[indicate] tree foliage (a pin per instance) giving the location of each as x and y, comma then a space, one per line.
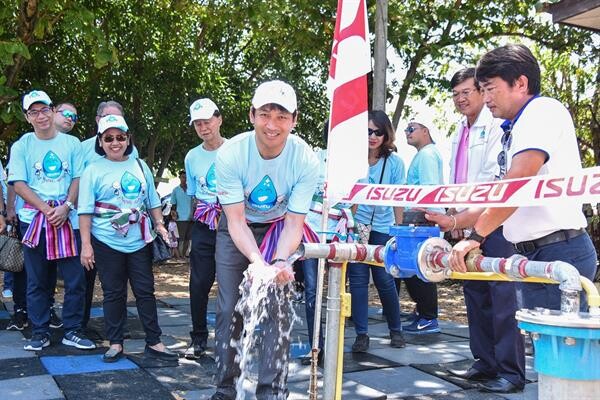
156, 57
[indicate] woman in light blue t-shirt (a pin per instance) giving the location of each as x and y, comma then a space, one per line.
116, 199
386, 167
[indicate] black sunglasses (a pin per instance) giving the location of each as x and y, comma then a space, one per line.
506, 141
377, 132
118, 138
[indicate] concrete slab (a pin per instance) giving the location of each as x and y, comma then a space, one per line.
431, 338
350, 391
112, 385
441, 371
69, 365
41, 387
11, 346
188, 376
413, 354
401, 382
461, 348
21, 367
530, 393
473, 394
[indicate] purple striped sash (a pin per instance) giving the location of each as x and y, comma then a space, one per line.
269, 242
122, 219
208, 213
60, 242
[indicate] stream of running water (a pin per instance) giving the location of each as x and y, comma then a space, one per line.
268, 317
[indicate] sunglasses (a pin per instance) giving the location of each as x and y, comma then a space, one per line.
70, 115
118, 138
410, 129
506, 142
376, 132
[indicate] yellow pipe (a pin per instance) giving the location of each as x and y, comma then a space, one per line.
344, 312
591, 291
491, 276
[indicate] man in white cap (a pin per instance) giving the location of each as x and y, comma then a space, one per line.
44, 168
265, 181
425, 169
201, 184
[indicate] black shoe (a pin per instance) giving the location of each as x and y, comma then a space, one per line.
361, 344
18, 322
55, 322
500, 385
166, 355
307, 360
196, 350
220, 396
397, 340
112, 355
471, 374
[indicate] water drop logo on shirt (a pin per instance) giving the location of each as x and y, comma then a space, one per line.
264, 195
211, 179
52, 165
130, 186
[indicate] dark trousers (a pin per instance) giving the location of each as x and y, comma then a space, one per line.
579, 252
358, 277
19, 289
273, 349
90, 281
495, 340
115, 268
202, 277
310, 272
422, 293
41, 282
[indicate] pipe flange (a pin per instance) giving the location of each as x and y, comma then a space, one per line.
544, 316
430, 271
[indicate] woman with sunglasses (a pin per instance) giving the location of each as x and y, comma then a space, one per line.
116, 198
386, 167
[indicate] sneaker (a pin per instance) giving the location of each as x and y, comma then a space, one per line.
7, 293
397, 340
18, 322
38, 342
196, 350
55, 321
77, 339
361, 344
422, 326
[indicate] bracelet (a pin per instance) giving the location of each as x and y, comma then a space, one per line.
454, 220
275, 261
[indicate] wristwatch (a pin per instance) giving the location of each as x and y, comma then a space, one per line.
70, 205
476, 236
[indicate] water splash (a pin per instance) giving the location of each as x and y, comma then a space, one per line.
264, 306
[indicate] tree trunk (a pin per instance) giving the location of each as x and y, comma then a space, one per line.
380, 67
406, 83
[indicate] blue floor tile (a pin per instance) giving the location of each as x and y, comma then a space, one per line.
68, 365
4, 314
298, 350
96, 312
211, 318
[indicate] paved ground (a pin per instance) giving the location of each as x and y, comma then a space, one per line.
59, 372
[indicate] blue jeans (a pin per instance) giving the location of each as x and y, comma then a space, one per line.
358, 276
41, 282
310, 267
579, 252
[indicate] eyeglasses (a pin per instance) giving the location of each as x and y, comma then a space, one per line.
36, 113
411, 129
69, 115
506, 141
463, 93
376, 132
118, 138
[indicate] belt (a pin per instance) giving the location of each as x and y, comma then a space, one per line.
554, 237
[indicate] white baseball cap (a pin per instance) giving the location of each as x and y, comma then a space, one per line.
202, 109
112, 121
275, 92
35, 96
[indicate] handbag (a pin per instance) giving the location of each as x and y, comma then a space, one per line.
364, 230
11, 252
160, 249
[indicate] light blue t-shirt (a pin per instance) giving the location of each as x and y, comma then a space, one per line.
122, 184
90, 155
383, 216
3, 183
48, 167
268, 188
426, 168
183, 201
201, 173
